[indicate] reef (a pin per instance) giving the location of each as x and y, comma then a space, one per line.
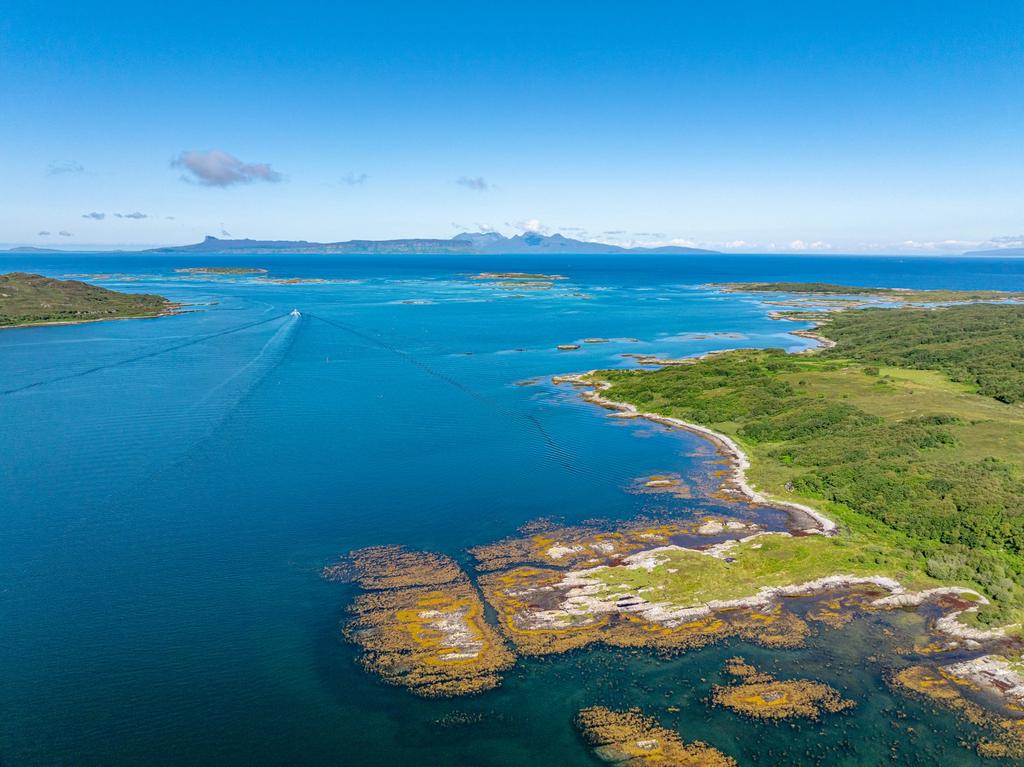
555, 590
585, 545
762, 696
952, 688
633, 739
421, 625
294, 280
540, 614
672, 484
519, 276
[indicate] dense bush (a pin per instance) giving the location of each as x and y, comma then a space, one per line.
964, 516
979, 344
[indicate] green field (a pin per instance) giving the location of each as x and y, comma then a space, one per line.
924, 472
691, 579
31, 299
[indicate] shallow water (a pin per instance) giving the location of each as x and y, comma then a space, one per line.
171, 487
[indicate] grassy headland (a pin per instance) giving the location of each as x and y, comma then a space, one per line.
31, 299
895, 295
909, 432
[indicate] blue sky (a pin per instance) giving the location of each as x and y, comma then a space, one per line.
749, 126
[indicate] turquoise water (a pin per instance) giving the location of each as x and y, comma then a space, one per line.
171, 487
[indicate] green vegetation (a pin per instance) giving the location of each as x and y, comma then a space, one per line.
690, 578
31, 299
222, 270
898, 295
820, 288
919, 464
980, 344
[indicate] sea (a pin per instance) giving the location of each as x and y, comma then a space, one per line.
170, 489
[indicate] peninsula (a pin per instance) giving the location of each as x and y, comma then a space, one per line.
898, 449
32, 299
467, 243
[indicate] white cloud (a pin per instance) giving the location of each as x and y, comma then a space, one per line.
135, 215
530, 225
476, 183
800, 245
62, 233
217, 168
95, 216
44, 234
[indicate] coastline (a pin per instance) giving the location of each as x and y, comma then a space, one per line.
170, 311
725, 444
988, 670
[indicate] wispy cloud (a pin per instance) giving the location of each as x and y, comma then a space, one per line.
95, 216
224, 232
530, 225
217, 168
44, 233
62, 233
136, 215
476, 183
64, 168
353, 179
1008, 241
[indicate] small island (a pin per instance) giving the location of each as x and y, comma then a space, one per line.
32, 299
632, 739
233, 270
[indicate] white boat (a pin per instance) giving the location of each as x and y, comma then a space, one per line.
296, 313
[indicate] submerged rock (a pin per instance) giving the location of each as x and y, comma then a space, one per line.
762, 696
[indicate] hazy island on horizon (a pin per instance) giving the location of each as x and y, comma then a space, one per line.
467, 243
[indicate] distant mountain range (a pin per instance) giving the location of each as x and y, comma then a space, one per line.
996, 252
29, 249
468, 243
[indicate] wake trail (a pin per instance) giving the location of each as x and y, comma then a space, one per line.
138, 357
223, 401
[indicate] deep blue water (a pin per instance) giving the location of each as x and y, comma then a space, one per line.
169, 489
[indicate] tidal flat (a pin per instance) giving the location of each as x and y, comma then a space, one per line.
204, 486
